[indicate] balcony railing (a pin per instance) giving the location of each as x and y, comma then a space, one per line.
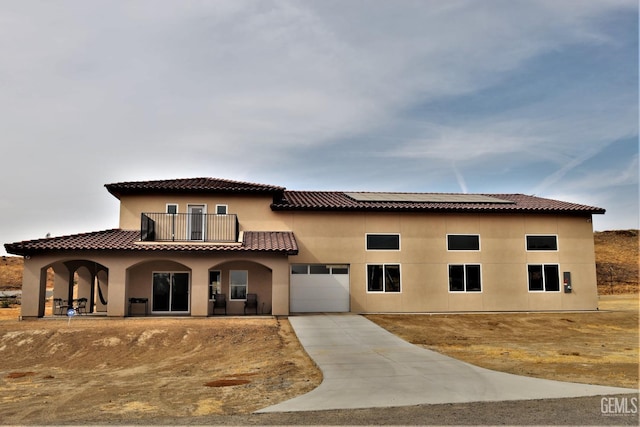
188, 227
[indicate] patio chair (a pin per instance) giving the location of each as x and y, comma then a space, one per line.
251, 303
81, 308
59, 306
220, 302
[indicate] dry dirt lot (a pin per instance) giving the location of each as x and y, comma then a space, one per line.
89, 370
586, 347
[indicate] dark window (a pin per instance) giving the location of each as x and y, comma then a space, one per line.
544, 277
215, 283
383, 278
463, 242
456, 278
388, 242
551, 278
318, 269
542, 243
299, 269
464, 278
172, 209
339, 270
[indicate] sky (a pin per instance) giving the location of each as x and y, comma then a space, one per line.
478, 96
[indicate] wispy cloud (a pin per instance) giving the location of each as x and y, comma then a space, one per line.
327, 93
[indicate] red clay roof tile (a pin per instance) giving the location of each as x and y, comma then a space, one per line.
339, 201
129, 240
189, 185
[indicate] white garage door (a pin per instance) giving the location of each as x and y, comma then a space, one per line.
319, 288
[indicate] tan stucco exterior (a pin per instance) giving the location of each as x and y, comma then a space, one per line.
337, 238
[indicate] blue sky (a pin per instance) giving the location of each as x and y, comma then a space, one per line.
491, 96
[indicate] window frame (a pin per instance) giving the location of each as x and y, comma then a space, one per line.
544, 277
464, 250
226, 209
464, 277
166, 209
232, 285
211, 284
366, 242
526, 243
384, 277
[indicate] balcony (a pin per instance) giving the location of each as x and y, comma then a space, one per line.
188, 227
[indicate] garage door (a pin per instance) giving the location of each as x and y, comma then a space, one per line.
319, 288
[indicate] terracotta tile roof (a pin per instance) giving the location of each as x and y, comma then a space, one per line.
340, 201
189, 185
129, 240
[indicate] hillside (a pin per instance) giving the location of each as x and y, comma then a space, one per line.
617, 259
617, 256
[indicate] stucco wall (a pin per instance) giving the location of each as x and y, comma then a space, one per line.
339, 238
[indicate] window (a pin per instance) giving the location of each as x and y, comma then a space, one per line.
215, 284
299, 269
383, 278
238, 284
544, 277
463, 242
172, 208
464, 278
383, 242
318, 269
542, 243
221, 209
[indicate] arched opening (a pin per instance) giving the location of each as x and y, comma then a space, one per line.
236, 280
160, 287
73, 284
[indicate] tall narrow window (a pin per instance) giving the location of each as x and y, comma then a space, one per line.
215, 283
465, 278
383, 278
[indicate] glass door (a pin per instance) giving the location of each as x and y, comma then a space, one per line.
196, 222
170, 292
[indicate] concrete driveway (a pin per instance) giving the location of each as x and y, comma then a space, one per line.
364, 366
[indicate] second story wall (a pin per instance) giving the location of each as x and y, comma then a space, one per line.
253, 211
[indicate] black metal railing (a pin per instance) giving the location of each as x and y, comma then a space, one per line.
188, 227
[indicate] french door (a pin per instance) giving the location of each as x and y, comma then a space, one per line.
196, 222
170, 292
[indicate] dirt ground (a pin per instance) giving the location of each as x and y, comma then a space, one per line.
587, 347
57, 371
89, 370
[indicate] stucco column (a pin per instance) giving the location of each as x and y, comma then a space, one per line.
117, 296
280, 287
199, 291
34, 281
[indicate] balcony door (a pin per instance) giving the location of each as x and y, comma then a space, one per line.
196, 222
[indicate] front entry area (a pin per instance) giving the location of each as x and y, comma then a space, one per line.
319, 288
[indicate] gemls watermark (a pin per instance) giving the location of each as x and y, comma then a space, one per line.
618, 406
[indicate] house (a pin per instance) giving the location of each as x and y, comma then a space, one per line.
183, 242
